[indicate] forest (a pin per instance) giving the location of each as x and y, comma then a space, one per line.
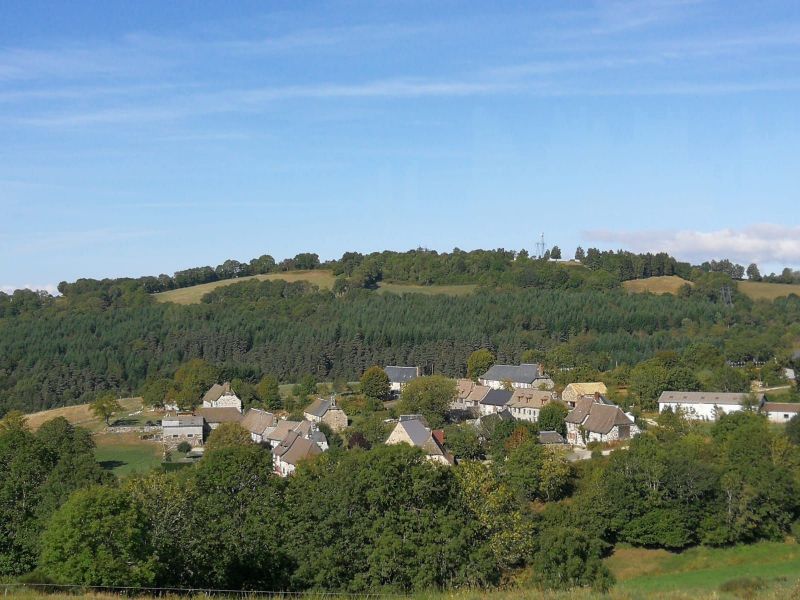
386, 519
114, 337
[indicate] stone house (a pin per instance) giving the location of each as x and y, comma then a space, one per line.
326, 411
221, 396
468, 395
214, 417
412, 430
525, 404
259, 423
595, 419
292, 449
182, 428
526, 376
574, 391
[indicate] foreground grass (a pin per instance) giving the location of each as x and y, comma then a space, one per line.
192, 295
645, 573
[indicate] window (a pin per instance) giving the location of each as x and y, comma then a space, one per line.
785, 416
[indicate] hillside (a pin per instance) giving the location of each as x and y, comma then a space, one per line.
759, 290
671, 284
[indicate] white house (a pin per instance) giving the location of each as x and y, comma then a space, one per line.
412, 430
259, 423
780, 412
221, 396
705, 406
290, 451
526, 375
400, 376
494, 401
525, 404
595, 419
182, 428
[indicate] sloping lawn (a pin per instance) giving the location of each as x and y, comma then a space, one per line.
125, 454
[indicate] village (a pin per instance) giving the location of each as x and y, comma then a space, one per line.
502, 393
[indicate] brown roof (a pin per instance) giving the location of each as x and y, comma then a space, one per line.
294, 448
587, 388
463, 388
283, 428
220, 414
582, 407
603, 418
257, 421
786, 407
478, 393
530, 398
216, 391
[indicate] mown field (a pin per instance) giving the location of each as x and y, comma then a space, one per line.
407, 288
757, 290
668, 284
192, 295
125, 453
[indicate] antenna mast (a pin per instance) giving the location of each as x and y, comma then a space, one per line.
540, 246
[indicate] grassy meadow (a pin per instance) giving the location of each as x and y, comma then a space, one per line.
125, 453
668, 284
759, 290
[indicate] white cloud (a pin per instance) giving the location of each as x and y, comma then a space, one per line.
765, 244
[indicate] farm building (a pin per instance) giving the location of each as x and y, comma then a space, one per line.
525, 404
574, 391
495, 401
182, 428
259, 423
780, 412
518, 376
221, 396
706, 406
326, 411
595, 419
412, 430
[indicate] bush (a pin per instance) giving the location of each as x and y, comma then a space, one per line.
743, 587
184, 447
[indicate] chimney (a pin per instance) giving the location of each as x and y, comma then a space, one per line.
597, 396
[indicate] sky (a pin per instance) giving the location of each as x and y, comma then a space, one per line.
140, 138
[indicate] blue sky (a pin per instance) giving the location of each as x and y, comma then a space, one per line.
140, 138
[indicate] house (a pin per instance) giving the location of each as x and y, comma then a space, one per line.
182, 428
468, 394
574, 391
259, 423
292, 449
551, 438
706, 406
400, 376
221, 396
214, 417
595, 419
326, 411
790, 375
526, 375
494, 401
284, 427
525, 404
412, 430
780, 412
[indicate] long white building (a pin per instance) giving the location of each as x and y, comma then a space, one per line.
705, 406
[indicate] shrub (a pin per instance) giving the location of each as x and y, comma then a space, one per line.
184, 447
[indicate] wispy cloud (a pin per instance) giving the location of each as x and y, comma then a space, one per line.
762, 243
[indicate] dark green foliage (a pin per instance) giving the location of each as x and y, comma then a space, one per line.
428, 396
479, 362
793, 430
375, 383
98, 538
551, 418
464, 443
569, 558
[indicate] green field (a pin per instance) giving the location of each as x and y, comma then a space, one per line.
644, 573
192, 295
125, 454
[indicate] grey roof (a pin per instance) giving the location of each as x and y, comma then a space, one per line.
183, 421
401, 374
524, 373
294, 448
318, 437
497, 398
715, 398
318, 407
416, 430
551, 437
